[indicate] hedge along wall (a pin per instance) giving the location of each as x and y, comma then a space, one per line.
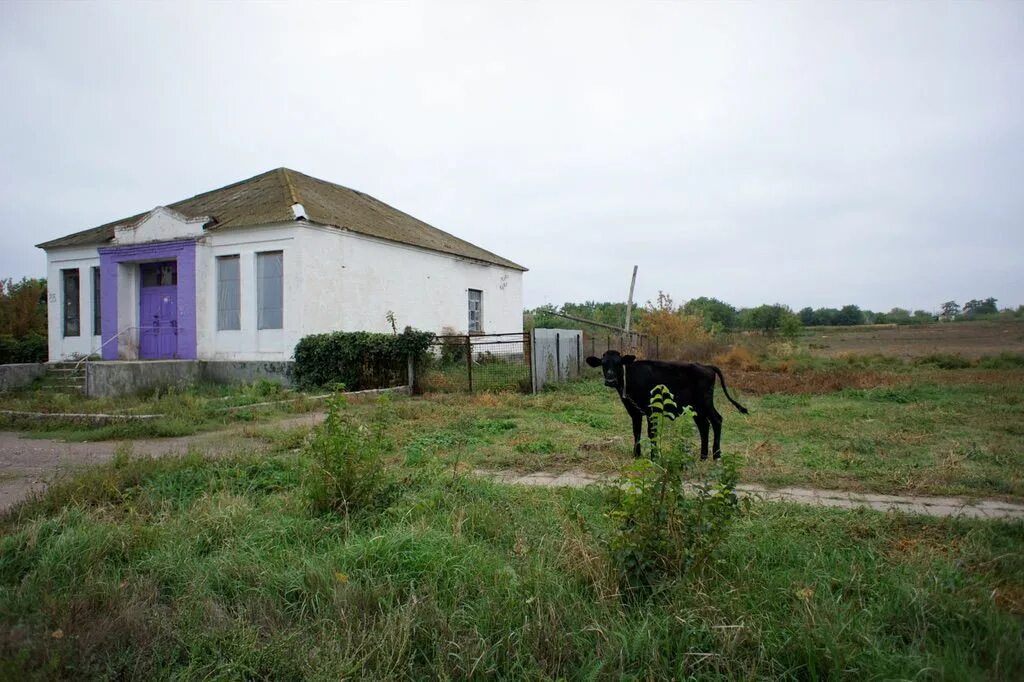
27, 349
359, 360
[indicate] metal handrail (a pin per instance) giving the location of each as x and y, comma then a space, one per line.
98, 348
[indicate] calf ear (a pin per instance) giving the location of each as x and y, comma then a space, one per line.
594, 362
628, 359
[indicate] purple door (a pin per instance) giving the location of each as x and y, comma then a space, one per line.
158, 311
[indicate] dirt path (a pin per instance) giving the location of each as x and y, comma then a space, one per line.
28, 465
909, 504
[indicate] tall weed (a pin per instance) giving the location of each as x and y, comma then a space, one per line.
348, 473
665, 527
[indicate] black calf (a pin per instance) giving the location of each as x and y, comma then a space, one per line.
691, 384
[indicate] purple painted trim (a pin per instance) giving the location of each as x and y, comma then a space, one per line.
182, 251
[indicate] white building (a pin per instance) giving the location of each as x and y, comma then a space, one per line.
245, 271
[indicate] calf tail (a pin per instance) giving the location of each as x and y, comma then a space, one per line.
721, 378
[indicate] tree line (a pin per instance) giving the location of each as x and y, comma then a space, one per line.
716, 315
22, 320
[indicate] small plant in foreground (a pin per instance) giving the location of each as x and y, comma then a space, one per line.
348, 472
668, 526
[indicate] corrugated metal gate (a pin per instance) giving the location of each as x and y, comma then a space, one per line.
557, 356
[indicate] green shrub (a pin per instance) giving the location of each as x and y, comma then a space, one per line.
1002, 361
357, 359
944, 361
32, 348
347, 471
664, 530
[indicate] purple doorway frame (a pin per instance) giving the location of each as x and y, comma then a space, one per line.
184, 252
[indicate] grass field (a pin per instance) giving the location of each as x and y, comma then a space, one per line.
969, 339
183, 412
905, 428
217, 569
221, 568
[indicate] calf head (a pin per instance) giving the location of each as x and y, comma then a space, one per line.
612, 365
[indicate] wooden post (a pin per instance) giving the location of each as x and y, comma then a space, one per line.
578, 354
469, 362
629, 302
411, 370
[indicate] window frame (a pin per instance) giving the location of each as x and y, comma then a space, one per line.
220, 310
65, 308
479, 311
261, 324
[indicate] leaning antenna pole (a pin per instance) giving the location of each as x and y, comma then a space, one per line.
629, 302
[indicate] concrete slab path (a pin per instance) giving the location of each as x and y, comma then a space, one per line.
909, 504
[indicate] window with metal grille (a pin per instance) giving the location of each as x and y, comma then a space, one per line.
72, 320
270, 290
476, 310
229, 294
97, 319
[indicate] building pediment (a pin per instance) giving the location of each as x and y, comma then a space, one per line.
162, 224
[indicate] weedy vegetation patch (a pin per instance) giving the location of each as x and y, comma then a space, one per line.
341, 560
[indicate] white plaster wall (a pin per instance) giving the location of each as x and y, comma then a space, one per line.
248, 343
352, 281
83, 258
333, 281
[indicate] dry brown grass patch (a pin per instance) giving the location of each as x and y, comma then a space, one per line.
812, 382
737, 357
1010, 598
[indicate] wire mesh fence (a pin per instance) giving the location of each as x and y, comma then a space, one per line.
640, 345
479, 362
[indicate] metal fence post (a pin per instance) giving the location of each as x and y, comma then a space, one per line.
469, 362
528, 356
577, 355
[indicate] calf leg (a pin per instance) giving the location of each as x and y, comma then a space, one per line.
637, 418
651, 435
702, 426
716, 424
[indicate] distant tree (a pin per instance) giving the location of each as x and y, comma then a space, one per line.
950, 310
22, 307
670, 325
806, 316
542, 317
770, 319
974, 308
606, 313
825, 317
922, 316
715, 314
898, 316
849, 315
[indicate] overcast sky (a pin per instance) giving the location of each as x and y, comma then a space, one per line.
810, 154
